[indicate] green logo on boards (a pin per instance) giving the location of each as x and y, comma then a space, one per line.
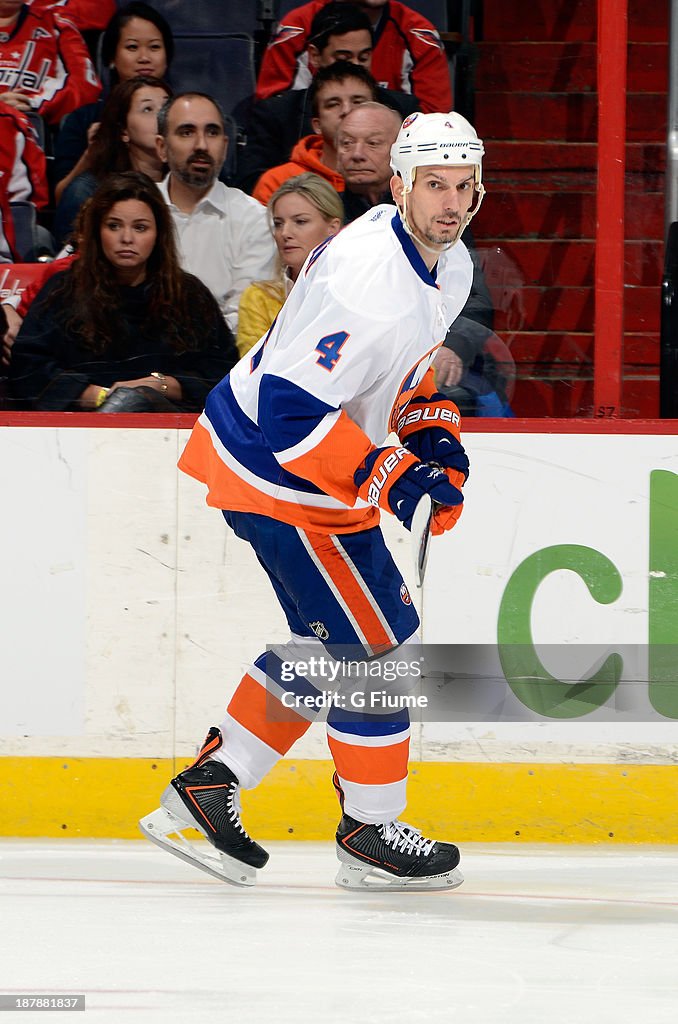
534, 686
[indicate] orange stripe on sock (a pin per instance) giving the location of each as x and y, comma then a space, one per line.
262, 714
370, 766
352, 592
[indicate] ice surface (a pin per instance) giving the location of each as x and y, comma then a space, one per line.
536, 935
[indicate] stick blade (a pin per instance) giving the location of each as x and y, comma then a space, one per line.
421, 535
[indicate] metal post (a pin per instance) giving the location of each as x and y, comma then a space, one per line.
668, 349
671, 207
609, 258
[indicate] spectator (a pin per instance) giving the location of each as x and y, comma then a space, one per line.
85, 14
125, 141
23, 174
16, 306
467, 366
339, 32
14, 311
224, 238
408, 54
486, 379
11, 322
304, 212
137, 42
4, 352
364, 143
45, 66
124, 328
336, 90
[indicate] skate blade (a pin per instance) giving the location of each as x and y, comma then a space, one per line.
161, 824
366, 878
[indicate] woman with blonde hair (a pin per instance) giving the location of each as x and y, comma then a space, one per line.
304, 211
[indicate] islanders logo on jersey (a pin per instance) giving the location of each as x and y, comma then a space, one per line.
405, 594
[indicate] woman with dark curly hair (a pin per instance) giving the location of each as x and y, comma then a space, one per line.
124, 328
125, 141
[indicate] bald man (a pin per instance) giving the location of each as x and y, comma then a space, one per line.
363, 147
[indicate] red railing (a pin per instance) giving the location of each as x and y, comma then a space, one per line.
472, 425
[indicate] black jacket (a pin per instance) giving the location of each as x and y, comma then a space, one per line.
50, 366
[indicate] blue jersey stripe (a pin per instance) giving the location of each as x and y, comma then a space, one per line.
245, 441
287, 413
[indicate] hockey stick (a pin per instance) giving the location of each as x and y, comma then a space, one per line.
421, 535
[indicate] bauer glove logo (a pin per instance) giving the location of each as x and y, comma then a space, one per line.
381, 477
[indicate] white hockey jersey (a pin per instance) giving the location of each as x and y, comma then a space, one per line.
283, 434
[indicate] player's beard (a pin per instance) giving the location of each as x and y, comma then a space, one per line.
430, 233
440, 238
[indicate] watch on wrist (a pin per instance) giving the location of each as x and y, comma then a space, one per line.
163, 381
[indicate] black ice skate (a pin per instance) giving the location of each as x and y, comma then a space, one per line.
392, 856
205, 797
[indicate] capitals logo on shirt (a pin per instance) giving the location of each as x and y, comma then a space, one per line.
21, 76
428, 36
285, 33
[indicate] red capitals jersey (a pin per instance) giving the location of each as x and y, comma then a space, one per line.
408, 56
85, 14
45, 57
23, 171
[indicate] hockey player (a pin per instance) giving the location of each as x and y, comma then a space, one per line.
291, 447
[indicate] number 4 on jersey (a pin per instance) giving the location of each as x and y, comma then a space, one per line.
330, 349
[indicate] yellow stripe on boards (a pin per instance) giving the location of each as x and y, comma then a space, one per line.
573, 803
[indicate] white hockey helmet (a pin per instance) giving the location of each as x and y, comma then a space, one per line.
436, 140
